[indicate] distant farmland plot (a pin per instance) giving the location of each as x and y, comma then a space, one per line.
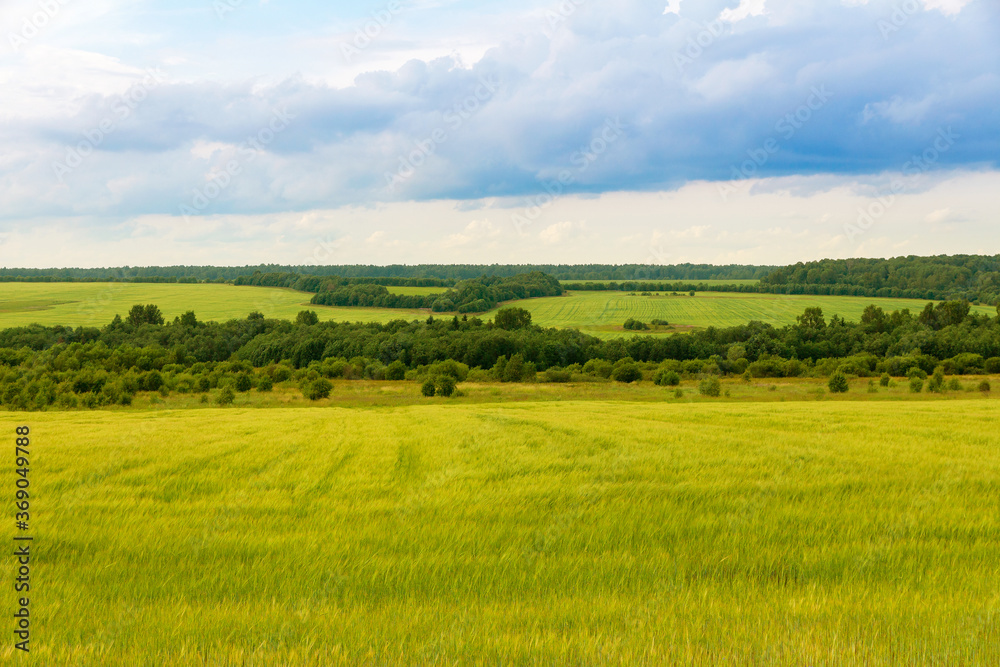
96, 304
518, 534
568, 284
598, 313
416, 291
602, 313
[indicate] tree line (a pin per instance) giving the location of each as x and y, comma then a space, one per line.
41, 366
974, 278
468, 296
443, 272
971, 277
316, 283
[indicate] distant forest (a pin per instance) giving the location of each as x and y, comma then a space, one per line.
971, 277
974, 278
443, 272
476, 295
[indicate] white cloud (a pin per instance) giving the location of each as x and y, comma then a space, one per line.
608, 60
899, 110
938, 216
746, 9
476, 232
694, 232
947, 7
794, 219
556, 233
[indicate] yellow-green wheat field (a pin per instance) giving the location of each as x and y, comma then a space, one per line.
569, 533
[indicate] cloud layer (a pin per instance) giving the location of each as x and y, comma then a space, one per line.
241, 116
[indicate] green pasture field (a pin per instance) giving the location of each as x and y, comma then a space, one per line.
96, 304
416, 291
569, 283
603, 313
598, 313
575, 532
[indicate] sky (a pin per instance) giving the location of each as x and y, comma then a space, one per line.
231, 132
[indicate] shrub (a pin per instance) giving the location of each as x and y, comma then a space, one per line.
838, 383
693, 366
992, 365
678, 393
917, 372
936, 384
598, 368
964, 364
632, 324
665, 378
395, 371
479, 375
428, 389
336, 368
307, 317
511, 319
456, 369
264, 384
226, 396
555, 375
627, 373
243, 383
954, 385
985, 387
872, 387
767, 368
514, 370
152, 381
916, 385
318, 389
444, 385
659, 323
886, 379
794, 368
710, 386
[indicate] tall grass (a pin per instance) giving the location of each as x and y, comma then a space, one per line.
540, 533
